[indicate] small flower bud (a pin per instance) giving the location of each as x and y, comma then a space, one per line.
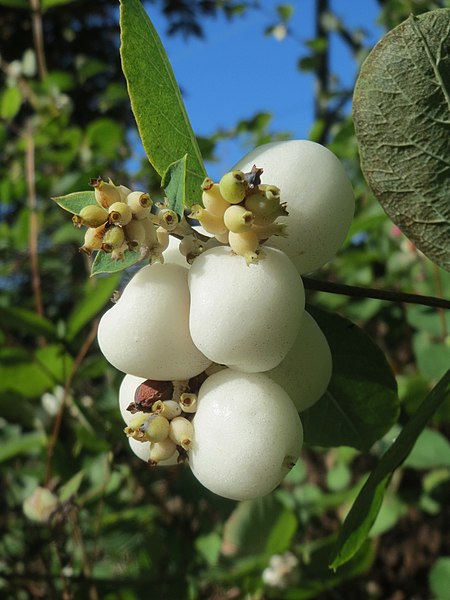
168, 219
167, 408
233, 187
237, 218
188, 402
91, 216
245, 244
148, 428
266, 231
181, 431
150, 232
106, 193
163, 238
114, 238
211, 198
191, 246
93, 239
134, 234
124, 192
119, 213
140, 204
211, 223
161, 451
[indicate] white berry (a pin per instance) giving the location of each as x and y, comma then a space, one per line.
245, 316
319, 198
247, 435
305, 372
146, 333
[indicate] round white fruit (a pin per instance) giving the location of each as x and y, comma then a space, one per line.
319, 198
305, 372
146, 333
247, 435
245, 316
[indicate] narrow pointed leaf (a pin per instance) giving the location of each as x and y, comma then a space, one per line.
103, 263
367, 505
174, 184
401, 109
76, 201
156, 101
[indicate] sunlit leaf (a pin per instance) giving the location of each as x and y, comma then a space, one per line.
401, 110
104, 263
156, 101
76, 201
174, 184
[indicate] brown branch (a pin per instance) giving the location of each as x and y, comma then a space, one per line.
58, 421
360, 292
38, 37
34, 225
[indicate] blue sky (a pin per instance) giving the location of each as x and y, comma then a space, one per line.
214, 72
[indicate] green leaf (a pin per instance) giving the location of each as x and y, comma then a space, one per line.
258, 526
439, 578
16, 3
71, 487
94, 299
156, 101
21, 374
103, 262
431, 450
365, 509
76, 201
55, 362
24, 443
10, 102
361, 403
13, 318
401, 110
174, 184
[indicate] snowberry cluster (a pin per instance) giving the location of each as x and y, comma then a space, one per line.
219, 354
124, 220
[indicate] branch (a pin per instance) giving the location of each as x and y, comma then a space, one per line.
360, 292
38, 37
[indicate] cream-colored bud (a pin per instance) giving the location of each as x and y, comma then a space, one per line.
237, 218
167, 408
211, 223
168, 219
212, 199
114, 238
181, 431
135, 234
119, 213
91, 216
148, 428
188, 402
106, 192
233, 187
124, 192
163, 238
245, 244
140, 204
266, 231
161, 451
93, 239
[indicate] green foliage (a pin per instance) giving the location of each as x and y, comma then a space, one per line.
361, 402
163, 124
401, 109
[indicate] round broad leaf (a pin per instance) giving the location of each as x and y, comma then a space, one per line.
401, 109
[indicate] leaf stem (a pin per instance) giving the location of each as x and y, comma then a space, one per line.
362, 292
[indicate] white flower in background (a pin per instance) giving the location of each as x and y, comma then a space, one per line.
282, 571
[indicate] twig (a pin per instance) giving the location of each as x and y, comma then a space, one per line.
58, 421
361, 292
38, 37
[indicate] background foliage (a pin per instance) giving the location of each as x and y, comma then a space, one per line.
121, 530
